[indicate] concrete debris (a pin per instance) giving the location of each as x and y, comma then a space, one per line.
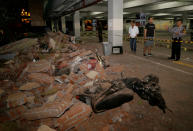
42, 78
29, 86
73, 117
45, 128
16, 99
54, 109
92, 74
39, 66
45, 86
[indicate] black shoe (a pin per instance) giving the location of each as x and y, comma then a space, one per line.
176, 59
144, 55
171, 58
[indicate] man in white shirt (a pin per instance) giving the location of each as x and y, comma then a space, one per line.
133, 32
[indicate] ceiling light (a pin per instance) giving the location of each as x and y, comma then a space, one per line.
169, 18
96, 13
125, 13
167, 5
135, 3
98, 17
161, 14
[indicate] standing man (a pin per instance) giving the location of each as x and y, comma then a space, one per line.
133, 32
100, 31
177, 32
149, 34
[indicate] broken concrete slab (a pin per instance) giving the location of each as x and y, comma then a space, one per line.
45, 128
29, 86
18, 45
52, 44
16, 113
63, 64
92, 74
16, 99
39, 66
89, 84
41, 78
48, 110
73, 117
51, 98
49, 92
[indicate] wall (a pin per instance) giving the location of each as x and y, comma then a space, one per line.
36, 10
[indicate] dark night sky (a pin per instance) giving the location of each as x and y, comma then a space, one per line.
13, 4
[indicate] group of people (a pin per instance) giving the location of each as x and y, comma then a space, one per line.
177, 31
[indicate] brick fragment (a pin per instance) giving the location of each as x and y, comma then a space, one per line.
16, 99
29, 86
15, 113
73, 117
92, 74
41, 78
39, 66
45, 128
48, 110
63, 64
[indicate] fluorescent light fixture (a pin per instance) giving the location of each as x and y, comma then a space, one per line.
161, 14
126, 13
135, 3
169, 18
177, 14
190, 18
167, 5
96, 13
99, 17
184, 8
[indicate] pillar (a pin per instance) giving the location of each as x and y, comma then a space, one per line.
185, 20
52, 25
63, 20
77, 24
56, 25
115, 22
83, 26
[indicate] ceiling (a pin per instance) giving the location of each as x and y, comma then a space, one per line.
160, 9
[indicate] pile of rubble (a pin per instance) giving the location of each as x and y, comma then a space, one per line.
51, 82
42, 83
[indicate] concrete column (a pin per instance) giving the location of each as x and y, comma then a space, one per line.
63, 20
185, 20
83, 26
115, 22
56, 25
52, 25
77, 24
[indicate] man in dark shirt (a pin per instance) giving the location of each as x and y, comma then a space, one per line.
149, 34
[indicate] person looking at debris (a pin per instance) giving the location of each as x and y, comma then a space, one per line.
177, 32
100, 31
149, 33
133, 32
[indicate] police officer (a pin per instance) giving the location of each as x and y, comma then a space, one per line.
178, 32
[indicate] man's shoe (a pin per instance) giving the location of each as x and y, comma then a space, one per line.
144, 55
150, 54
176, 59
171, 58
